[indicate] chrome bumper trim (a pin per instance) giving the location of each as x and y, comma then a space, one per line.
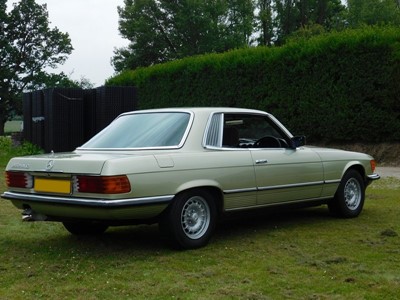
278, 187
279, 203
374, 177
246, 190
89, 202
287, 186
334, 181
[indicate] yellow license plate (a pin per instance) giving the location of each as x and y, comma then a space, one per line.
46, 185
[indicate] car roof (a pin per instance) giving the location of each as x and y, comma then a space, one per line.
200, 110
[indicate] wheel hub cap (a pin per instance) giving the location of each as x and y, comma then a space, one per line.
195, 217
352, 194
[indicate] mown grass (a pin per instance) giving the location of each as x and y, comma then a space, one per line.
302, 254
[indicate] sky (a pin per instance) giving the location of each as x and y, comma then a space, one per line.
92, 26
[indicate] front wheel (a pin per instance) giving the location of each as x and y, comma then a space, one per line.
190, 220
349, 198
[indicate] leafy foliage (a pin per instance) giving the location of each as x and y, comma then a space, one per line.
161, 31
164, 30
28, 47
372, 12
49, 80
329, 87
292, 15
7, 150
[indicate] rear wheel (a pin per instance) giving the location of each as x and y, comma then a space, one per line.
349, 198
85, 228
190, 220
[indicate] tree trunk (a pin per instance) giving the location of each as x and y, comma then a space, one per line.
2, 123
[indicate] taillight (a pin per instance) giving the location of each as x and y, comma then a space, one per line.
19, 180
373, 165
101, 184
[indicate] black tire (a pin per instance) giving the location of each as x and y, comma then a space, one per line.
350, 196
85, 228
190, 220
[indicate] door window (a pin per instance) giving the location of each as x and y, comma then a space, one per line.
251, 131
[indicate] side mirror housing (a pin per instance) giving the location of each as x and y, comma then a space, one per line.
297, 141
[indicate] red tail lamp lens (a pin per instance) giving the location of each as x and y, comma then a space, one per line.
102, 184
19, 180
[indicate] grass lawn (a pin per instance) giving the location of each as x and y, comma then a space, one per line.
304, 254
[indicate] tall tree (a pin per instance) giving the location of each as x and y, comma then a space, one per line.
239, 23
50, 80
163, 30
293, 15
286, 20
264, 22
373, 12
28, 47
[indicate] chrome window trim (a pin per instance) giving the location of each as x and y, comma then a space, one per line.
280, 125
283, 129
208, 128
130, 149
268, 149
178, 146
225, 148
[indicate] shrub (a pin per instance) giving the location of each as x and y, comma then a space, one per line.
337, 87
7, 150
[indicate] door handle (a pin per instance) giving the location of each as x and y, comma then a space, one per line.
261, 161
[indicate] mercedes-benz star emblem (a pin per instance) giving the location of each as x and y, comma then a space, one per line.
50, 165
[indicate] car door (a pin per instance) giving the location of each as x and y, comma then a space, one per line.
282, 174
231, 165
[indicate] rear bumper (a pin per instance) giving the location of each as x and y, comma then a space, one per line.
54, 208
119, 203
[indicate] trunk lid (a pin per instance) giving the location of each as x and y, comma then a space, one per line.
68, 163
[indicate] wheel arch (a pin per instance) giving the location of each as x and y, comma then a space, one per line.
349, 197
357, 166
213, 189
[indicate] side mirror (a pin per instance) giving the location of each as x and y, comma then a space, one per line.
297, 141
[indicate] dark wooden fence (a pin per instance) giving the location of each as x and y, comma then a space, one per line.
61, 119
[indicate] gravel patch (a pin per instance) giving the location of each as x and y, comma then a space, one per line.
388, 171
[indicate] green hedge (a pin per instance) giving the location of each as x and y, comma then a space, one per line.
336, 87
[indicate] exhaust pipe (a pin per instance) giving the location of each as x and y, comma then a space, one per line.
28, 215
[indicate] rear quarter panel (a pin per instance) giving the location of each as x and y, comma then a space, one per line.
225, 170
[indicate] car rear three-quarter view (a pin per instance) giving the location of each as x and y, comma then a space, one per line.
183, 169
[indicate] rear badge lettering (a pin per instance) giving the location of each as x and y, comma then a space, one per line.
20, 166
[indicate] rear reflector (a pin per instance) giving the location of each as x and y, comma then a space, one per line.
101, 184
19, 180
